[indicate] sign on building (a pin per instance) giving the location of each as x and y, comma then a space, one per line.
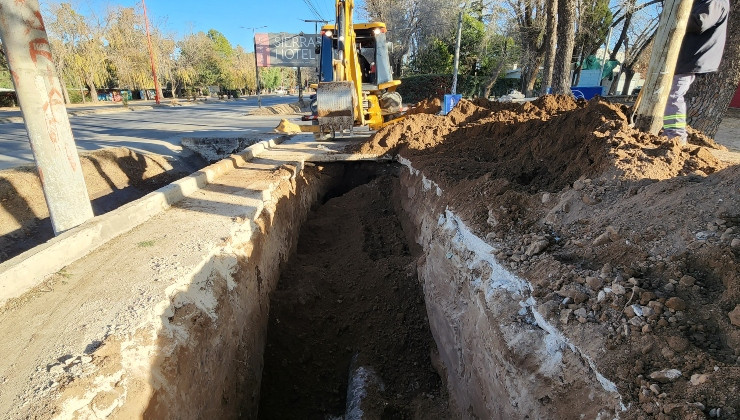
286, 50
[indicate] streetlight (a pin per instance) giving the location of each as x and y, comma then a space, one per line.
256, 67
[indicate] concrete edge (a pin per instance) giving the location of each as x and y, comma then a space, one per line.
27, 270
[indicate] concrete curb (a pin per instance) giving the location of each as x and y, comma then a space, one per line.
23, 272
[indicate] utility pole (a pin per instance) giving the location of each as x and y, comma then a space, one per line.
457, 53
40, 97
151, 55
256, 65
316, 32
671, 29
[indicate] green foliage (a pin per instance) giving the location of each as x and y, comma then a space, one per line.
434, 59
438, 55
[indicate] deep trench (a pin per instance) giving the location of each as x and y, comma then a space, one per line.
349, 297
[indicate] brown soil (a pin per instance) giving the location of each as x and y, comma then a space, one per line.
632, 243
114, 176
350, 290
427, 106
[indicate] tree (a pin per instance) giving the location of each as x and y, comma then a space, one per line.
128, 52
711, 94
79, 52
632, 22
529, 16
564, 54
594, 20
433, 59
412, 24
552, 21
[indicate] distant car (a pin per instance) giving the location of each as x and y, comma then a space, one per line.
280, 91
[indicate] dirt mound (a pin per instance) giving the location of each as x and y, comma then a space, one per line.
631, 241
427, 106
113, 176
283, 109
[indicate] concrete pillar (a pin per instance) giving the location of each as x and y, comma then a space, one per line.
40, 96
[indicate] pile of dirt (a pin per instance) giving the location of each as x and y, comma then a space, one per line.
350, 292
299, 107
114, 176
632, 242
427, 106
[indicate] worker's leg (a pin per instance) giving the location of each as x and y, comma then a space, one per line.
674, 119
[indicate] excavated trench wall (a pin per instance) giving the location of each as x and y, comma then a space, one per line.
502, 359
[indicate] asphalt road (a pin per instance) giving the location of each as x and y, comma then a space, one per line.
156, 131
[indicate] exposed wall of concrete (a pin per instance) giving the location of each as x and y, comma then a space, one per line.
502, 360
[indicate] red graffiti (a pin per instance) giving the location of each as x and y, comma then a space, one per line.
37, 24
55, 99
39, 47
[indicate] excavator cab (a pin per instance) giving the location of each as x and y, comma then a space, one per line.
356, 86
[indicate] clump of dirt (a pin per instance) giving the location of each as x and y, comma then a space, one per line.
298, 107
427, 106
632, 242
350, 291
114, 176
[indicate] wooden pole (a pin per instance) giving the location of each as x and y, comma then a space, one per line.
671, 29
40, 96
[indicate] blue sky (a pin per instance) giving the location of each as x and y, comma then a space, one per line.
183, 16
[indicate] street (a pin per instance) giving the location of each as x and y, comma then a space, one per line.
155, 131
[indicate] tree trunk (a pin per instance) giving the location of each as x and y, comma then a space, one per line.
93, 90
629, 73
710, 95
552, 20
160, 95
496, 73
564, 54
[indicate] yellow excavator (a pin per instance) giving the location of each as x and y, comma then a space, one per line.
356, 85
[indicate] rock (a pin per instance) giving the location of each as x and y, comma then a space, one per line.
578, 185
646, 297
589, 199
564, 315
735, 243
618, 289
675, 303
735, 316
678, 343
537, 247
670, 288
667, 353
687, 281
602, 239
594, 283
647, 311
698, 379
646, 329
629, 311
665, 375
655, 389
56, 369
580, 313
86, 359
546, 198
601, 296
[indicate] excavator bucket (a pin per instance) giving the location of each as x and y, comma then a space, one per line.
335, 103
